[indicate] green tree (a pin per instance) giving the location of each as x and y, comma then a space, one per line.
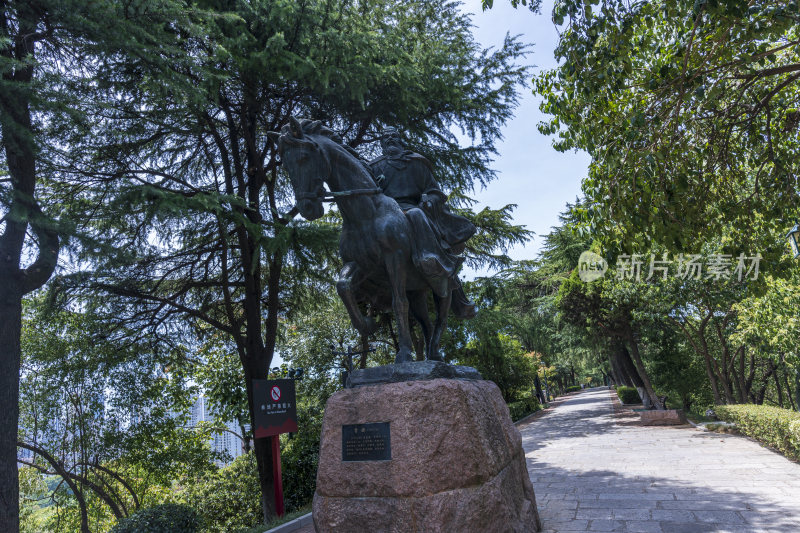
486, 342
50, 51
533, 5
769, 322
99, 412
606, 308
688, 110
205, 237
22, 29
520, 315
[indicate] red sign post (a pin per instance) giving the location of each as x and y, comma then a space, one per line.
276, 413
277, 475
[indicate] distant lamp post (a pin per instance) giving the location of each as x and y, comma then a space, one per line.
794, 239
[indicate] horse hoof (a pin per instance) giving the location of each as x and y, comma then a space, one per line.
370, 326
403, 356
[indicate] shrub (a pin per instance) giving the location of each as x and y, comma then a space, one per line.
533, 403
517, 410
524, 407
299, 458
776, 427
573, 388
165, 518
628, 395
229, 499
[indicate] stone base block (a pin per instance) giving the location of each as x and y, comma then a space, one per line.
412, 371
668, 417
456, 464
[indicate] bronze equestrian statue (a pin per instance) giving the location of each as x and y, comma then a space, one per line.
408, 178
398, 242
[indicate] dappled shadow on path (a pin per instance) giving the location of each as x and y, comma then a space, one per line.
586, 416
605, 500
590, 473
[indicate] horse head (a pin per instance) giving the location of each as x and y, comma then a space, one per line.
306, 163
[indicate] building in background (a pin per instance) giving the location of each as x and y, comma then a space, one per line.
227, 441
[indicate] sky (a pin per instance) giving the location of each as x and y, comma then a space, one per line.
531, 173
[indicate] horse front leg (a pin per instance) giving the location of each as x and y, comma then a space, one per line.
442, 308
418, 302
395, 267
350, 277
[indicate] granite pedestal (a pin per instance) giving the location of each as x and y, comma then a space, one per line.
455, 461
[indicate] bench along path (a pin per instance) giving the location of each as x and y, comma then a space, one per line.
593, 473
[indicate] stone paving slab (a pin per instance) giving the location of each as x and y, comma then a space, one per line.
594, 472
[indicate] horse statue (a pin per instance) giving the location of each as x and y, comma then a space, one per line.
377, 244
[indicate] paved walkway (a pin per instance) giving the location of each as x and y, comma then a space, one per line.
591, 473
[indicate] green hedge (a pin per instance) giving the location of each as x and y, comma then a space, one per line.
776, 427
165, 518
573, 388
628, 395
523, 408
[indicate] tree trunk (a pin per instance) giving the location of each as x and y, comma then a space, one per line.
23, 212
263, 358
686, 402
538, 386
648, 387
628, 368
740, 376
758, 397
777, 385
612, 377
712, 378
788, 388
727, 389
701, 346
257, 355
362, 362
797, 389
620, 376
10, 326
262, 449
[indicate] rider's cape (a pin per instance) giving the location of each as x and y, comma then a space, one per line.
406, 178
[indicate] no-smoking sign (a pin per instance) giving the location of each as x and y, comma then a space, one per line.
275, 407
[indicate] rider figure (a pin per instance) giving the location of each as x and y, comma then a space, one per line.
440, 236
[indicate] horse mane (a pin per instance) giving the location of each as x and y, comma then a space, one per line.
316, 127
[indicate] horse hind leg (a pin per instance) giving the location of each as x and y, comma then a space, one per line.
418, 303
397, 279
349, 277
442, 308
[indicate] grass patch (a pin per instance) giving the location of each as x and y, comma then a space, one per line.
697, 418
721, 428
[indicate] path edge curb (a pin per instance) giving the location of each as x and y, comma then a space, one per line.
292, 525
